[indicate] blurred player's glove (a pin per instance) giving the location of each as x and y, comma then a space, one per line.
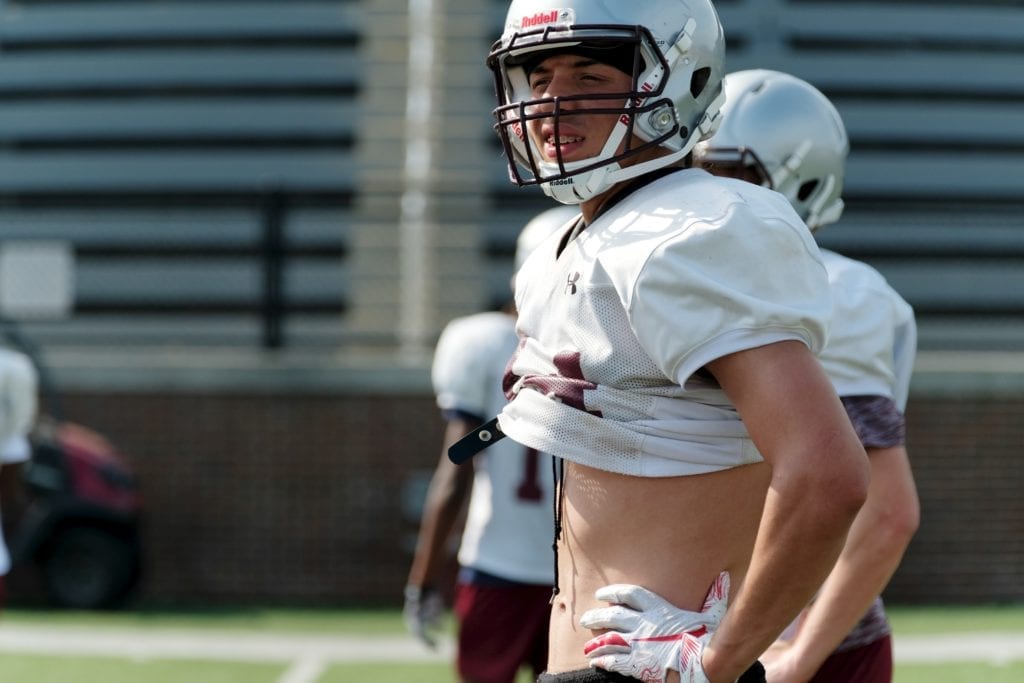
422, 613
647, 635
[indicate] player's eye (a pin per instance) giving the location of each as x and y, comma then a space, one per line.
537, 85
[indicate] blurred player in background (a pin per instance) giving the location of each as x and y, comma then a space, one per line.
18, 386
505, 557
781, 132
687, 538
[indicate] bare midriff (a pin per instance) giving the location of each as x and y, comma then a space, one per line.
671, 535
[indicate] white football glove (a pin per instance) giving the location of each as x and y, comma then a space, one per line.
647, 635
422, 613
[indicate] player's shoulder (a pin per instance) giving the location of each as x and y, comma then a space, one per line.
722, 207
848, 273
709, 231
842, 266
681, 189
476, 340
716, 195
15, 362
856, 285
468, 360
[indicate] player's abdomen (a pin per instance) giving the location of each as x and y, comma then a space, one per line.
671, 535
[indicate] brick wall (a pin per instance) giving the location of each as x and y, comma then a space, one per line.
298, 499
968, 460
270, 498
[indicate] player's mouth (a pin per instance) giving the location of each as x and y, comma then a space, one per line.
566, 145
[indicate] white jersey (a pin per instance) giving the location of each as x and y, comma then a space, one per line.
18, 388
872, 338
18, 385
508, 528
14, 450
614, 331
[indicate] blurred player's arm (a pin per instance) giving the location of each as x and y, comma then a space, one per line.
819, 483
874, 547
446, 497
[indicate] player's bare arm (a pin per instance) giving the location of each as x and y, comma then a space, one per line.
874, 548
819, 481
781, 132
446, 496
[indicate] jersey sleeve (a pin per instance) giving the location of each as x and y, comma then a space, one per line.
872, 337
904, 354
738, 283
878, 421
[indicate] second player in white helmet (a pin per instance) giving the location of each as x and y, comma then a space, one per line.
781, 132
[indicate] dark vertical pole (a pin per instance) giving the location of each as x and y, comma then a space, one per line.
273, 265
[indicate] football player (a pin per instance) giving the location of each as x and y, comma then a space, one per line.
18, 396
687, 538
504, 582
781, 132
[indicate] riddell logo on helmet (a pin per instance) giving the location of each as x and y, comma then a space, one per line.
539, 19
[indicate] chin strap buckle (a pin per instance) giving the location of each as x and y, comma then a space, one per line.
474, 442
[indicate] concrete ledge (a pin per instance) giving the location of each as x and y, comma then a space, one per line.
224, 370
221, 370
968, 373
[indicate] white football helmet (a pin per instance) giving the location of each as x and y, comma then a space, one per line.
790, 133
678, 55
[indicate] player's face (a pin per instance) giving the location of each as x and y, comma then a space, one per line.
579, 136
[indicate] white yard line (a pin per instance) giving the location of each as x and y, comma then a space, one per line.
308, 656
212, 644
304, 670
992, 648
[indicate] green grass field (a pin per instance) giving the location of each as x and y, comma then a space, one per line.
53, 668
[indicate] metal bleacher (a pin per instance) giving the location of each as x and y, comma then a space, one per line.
208, 159
196, 155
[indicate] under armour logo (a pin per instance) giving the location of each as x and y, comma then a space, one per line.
570, 284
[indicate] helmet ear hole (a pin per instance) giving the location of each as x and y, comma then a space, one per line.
699, 81
806, 189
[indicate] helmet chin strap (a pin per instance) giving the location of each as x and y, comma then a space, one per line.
819, 216
791, 163
579, 188
709, 122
